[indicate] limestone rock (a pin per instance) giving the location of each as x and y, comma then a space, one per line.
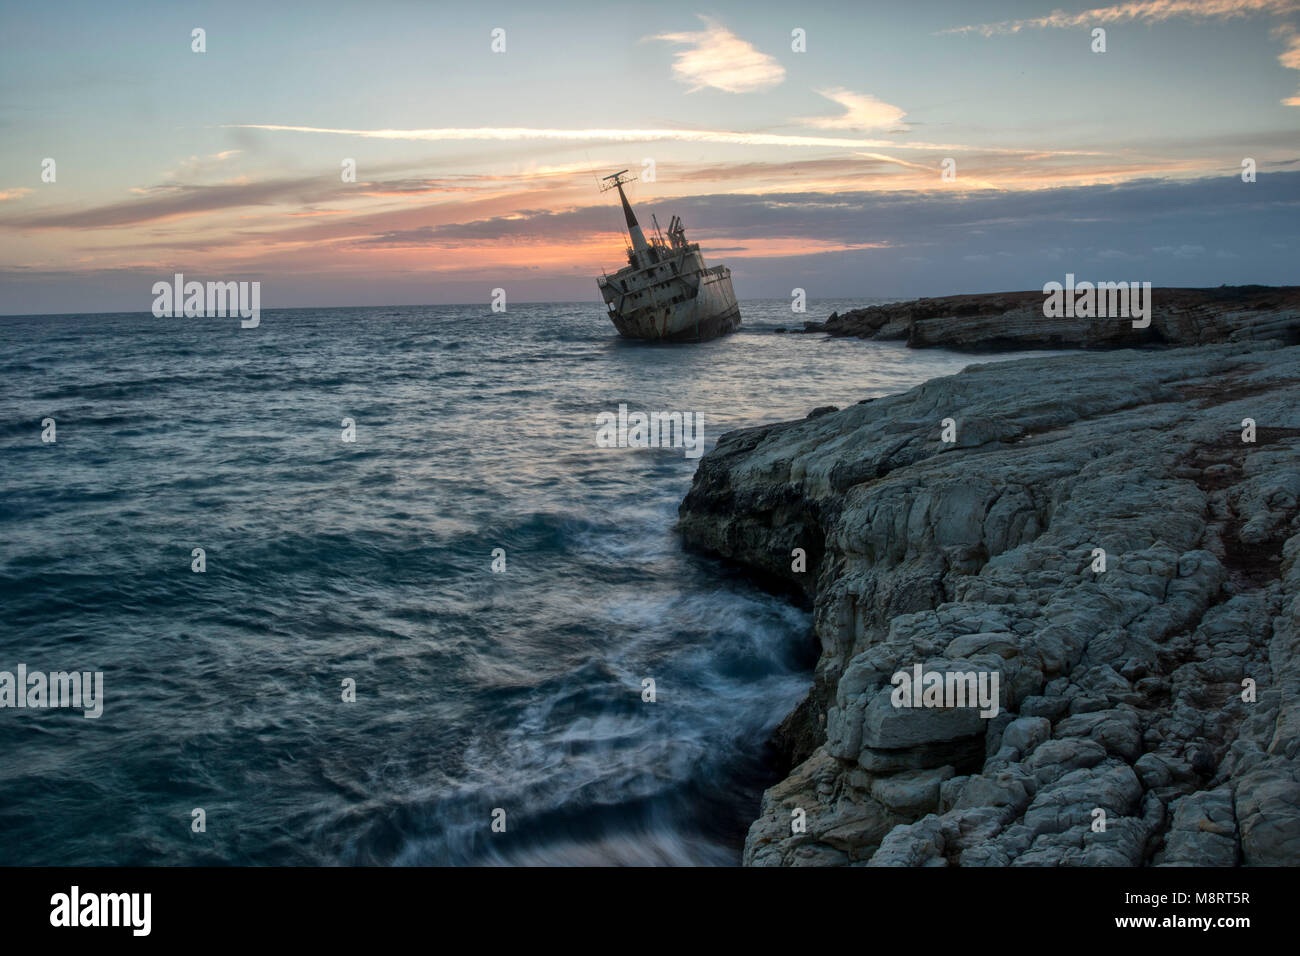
1011, 320
1164, 690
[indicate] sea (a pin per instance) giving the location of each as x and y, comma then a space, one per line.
365, 590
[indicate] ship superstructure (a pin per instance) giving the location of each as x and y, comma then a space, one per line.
666, 292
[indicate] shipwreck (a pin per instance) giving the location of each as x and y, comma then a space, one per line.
666, 292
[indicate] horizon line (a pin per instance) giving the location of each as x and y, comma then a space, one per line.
597, 302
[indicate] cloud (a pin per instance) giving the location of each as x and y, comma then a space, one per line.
1089, 214
18, 193
367, 208
1290, 57
1147, 11
861, 111
529, 225
861, 243
720, 60
416, 187
1157, 11
196, 167
729, 137
169, 202
849, 215
1174, 219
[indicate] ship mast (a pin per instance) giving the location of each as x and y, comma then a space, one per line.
640, 247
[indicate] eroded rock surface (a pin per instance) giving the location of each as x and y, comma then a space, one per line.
1121, 691
1015, 320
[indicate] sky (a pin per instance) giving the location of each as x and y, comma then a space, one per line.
477, 168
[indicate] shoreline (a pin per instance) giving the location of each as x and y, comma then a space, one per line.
1006, 321
1121, 689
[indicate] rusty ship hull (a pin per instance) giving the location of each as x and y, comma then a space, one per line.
667, 293
680, 311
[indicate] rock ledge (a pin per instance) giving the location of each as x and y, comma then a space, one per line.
1123, 691
1005, 321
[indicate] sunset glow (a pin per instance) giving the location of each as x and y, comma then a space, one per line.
490, 167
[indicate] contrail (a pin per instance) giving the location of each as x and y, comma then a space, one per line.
643, 135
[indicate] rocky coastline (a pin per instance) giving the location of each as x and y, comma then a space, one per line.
1006, 321
1149, 702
